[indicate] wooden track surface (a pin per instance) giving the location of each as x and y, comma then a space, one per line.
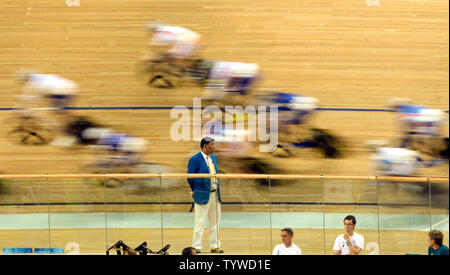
345, 53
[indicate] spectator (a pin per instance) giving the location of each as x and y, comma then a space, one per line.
189, 251
435, 238
287, 247
349, 243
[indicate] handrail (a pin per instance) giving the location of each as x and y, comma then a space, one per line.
233, 176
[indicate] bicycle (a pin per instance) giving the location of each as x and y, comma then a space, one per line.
29, 130
329, 145
155, 72
163, 73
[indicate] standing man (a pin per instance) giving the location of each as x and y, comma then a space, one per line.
206, 193
349, 243
436, 247
287, 247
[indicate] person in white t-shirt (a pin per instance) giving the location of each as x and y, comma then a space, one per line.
349, 243
287, 247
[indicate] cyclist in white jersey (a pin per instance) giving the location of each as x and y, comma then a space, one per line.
176, 44
60, 91
419, 125
45, 92
124, 150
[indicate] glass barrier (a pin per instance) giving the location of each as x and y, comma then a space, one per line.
177, 217
87, 215
404, 213
439, 197
342, 200
77, 217
134, 211
298, 204
245, 216
24, 211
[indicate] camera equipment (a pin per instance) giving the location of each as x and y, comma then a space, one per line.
123, 249
120, 245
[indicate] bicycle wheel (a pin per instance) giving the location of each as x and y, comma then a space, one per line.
29, 131
28, 137
329, 145
160, 74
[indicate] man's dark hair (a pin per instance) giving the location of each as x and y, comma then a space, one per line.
437, 236
288, 230
187, 251
351, 218
205, 140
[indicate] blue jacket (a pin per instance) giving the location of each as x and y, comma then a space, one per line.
201, 186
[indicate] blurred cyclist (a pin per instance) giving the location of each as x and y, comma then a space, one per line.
420, 126
174, 44
227, 82
59, 91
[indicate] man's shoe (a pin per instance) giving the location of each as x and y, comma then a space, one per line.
216, 250
198, 251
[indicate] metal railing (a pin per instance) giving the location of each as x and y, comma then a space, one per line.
234, 176
380, 221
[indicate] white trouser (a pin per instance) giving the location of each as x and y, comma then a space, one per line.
211, 210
